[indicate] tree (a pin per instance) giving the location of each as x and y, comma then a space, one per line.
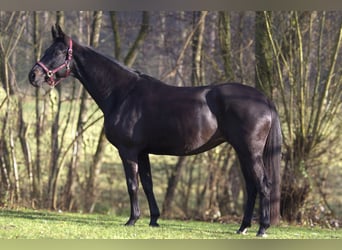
11, 30
225, 43
36, 168
263, 54
307, 89
55, 147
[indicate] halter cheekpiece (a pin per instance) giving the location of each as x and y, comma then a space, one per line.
50, 73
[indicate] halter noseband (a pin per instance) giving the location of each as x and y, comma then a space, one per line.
50, 73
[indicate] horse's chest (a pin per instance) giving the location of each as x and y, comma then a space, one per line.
122, 129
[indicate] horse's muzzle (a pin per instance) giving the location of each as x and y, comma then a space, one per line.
36, 76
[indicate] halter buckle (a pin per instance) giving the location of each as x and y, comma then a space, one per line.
67, 65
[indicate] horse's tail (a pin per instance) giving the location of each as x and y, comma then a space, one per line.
272, 157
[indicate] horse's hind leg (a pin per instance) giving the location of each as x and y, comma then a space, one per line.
264, 196
251, 191
146, 181
256, 183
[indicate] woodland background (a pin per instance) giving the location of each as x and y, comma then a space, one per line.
53, 153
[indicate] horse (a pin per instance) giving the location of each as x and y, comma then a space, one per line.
143, 115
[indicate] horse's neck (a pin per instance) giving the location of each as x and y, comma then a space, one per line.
105, 80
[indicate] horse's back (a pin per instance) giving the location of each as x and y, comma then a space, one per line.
239, 94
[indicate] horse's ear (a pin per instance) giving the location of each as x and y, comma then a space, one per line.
60, 31
57, 32
53, 32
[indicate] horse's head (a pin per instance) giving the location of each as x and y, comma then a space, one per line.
56, 61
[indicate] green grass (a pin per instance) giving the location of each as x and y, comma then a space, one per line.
31, 224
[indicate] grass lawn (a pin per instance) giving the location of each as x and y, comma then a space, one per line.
31, 224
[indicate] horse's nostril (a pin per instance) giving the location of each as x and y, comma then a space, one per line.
32, 76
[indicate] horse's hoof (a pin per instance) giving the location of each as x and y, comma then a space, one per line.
262, 235
243, 232
155, 224
130, 223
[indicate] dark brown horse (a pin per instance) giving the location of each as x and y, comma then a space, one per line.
143, 115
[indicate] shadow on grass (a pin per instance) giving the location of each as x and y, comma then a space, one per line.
204, 228
167, 227
100, 220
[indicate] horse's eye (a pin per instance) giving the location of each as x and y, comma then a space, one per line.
57, 53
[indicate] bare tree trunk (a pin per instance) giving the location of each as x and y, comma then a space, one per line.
69, 201
187, 43
15, 167
171, 187
55, 145
133, 51
10, 35
117, 40
69, 193
5, 184
39, 118
263, 55
225, 43
92, 187
23, 130
197, 74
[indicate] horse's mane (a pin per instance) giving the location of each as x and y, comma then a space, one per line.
114, 61
123, 67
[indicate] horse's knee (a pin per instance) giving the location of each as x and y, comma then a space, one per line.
132, 187
263, 184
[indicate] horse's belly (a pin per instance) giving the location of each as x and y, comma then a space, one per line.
183, 149
191, 137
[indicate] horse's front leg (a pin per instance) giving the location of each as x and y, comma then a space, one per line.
130, 163
146, 181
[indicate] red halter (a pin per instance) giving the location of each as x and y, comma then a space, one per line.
50, 73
